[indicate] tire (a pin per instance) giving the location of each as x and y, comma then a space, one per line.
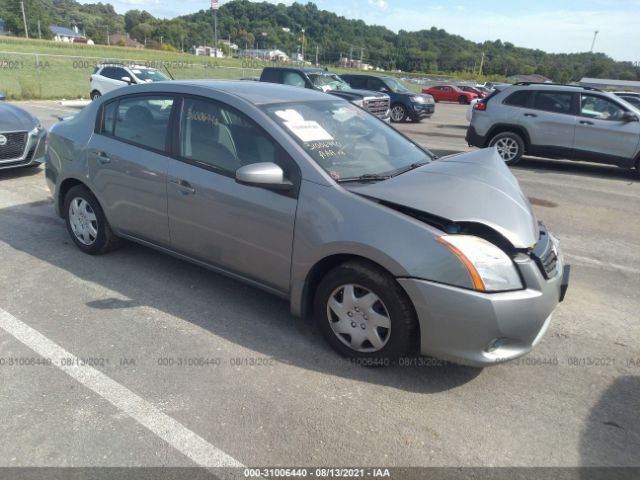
95, 95
462, 100
388, 318
90, 230
398, 113
510, 146
638, 169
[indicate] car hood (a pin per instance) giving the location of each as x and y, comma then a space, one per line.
14, 118
357, 93
474, 187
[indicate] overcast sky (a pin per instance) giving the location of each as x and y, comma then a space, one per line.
559, 26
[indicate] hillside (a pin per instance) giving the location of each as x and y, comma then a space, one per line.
279, 26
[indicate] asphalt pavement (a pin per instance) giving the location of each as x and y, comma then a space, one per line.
136, 358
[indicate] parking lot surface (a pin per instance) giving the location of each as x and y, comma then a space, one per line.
192, 368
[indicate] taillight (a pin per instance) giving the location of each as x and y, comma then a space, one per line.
480, 106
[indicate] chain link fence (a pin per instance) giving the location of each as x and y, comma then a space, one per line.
25, 76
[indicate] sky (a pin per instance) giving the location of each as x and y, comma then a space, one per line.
556, 26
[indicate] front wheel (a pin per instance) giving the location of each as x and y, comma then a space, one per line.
86, 222
398, 113
364, 313
95, 95
510, 147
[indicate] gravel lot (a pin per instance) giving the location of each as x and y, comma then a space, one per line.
272, 393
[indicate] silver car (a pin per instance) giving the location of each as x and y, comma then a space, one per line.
317, 201
22, 138
558, 121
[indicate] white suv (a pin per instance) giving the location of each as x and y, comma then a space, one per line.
109, 76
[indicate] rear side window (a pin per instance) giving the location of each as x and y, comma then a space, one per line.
293, 78
108, 119
143, 120
558, 102
374, 84
270, 75
518, 99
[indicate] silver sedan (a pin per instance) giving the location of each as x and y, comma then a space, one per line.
22, 138
391, 250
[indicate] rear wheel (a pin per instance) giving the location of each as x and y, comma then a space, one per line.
510, 146
398, 113
364, 313
462, 100
95, 95
86, 222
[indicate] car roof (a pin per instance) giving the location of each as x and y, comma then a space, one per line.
257, 93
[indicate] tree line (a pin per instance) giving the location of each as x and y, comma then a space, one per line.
332, 37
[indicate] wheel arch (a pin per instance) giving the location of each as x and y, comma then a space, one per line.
502, 128
66, 185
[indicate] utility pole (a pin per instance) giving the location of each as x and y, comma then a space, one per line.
593, 44
481, 64
361, 56
108, 37
214, 6
350, 56
303, 46
317, 50
24, 20
39, 32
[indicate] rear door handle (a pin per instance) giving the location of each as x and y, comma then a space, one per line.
530, 115
586, 122
184, 187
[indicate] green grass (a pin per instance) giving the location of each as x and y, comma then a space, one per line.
42, 69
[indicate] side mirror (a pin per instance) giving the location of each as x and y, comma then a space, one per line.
126, 79
629, 117
264, 174
2, 96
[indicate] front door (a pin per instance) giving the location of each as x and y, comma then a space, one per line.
242, 229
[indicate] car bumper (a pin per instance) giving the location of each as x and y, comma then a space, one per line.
32, 154
474, 139
483, 329
421, 110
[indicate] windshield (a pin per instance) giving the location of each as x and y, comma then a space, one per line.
328, 81
149, 75
395, 86
346, 141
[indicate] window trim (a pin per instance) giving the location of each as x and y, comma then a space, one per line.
99, 129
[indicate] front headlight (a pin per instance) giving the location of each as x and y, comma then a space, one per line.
417, 99
491, 269
358, 103
36, 130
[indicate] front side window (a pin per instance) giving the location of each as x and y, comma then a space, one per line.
144, 120
594, 106
328, 81
219, 137
293, 78
395, 86
347, 142
558, 102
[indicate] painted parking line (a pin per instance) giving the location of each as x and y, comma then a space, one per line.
170, 430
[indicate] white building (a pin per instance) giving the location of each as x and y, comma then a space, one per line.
208, 52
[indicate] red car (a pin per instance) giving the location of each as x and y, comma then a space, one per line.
475, 90
450, 93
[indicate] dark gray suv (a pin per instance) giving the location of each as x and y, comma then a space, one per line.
557, 121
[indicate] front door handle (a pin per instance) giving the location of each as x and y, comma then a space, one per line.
184, 187
103, 158
586, 122
533, 115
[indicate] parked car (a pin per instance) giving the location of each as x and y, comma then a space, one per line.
557, 121
374, 102
405, 104
631, 97
2, 96
304, 195
109, 76
450, 93
470, 89
22, 138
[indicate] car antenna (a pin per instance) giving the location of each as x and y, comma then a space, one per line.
169, 72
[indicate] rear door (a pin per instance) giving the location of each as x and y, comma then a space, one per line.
128, 164
550, 121
242, 229
601, 132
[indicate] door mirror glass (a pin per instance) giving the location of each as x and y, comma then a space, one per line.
126, 79
629, 117
264, 174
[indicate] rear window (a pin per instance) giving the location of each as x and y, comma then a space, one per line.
519, 99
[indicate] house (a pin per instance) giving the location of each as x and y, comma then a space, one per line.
207, 52
531, 78
273, 55
124, 40
68, 35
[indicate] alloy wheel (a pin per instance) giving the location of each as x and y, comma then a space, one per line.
83, 221
507, 148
